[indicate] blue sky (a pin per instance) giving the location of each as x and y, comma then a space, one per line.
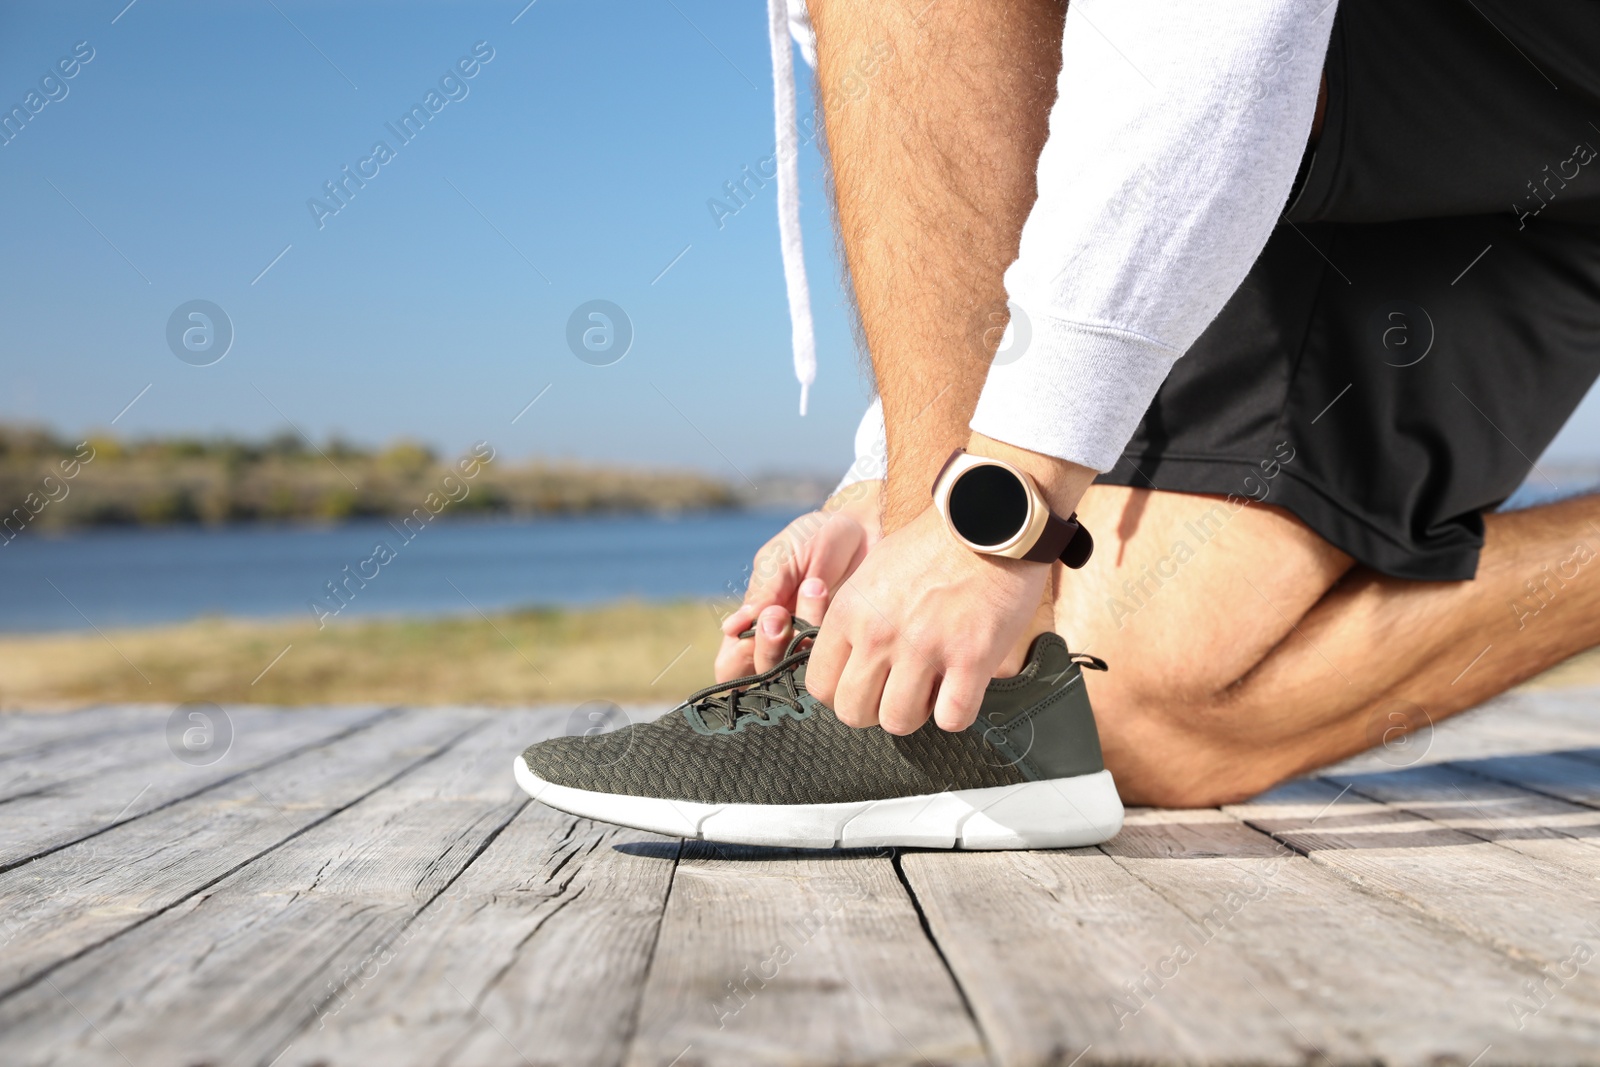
577, 166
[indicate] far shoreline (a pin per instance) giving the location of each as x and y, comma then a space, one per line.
103, 481
471, 518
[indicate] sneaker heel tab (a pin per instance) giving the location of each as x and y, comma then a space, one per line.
1049, 652
1043, 641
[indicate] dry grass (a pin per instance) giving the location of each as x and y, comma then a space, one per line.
630, 652
624, 652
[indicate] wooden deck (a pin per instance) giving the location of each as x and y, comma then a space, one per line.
366, 886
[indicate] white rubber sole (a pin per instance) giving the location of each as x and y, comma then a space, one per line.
1055, 813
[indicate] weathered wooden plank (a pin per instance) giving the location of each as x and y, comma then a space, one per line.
1576, 704
1471, 798
84, 894
770, 957
1061, 955
72, 770
235, 973
25, 733
1362, 979
1492, 891
71, 793
1573, 777
338, 946
56, 765
536, 954
1518, 722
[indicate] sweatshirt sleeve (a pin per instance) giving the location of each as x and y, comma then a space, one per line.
872, 450
1173, 144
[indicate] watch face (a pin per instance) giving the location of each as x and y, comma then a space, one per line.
988, 506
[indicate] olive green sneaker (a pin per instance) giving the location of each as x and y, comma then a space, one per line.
759, 761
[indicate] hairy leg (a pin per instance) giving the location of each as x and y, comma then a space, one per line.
933, 157
1256, 651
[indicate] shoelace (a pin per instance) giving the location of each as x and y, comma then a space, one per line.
757, 694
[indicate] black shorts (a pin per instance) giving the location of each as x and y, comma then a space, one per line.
1428, 315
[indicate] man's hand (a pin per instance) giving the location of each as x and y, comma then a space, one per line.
798, 573
925, 623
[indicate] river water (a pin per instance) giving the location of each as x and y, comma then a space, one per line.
119, 577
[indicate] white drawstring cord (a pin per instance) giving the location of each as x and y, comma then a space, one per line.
788, 152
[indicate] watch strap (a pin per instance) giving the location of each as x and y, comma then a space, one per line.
1063, 539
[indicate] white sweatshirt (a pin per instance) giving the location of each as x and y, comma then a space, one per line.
1174, 141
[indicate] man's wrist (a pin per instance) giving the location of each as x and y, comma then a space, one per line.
1061, 482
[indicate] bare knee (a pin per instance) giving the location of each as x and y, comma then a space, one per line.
1186, 751
1188, 599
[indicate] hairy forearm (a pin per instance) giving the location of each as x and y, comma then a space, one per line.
933, 160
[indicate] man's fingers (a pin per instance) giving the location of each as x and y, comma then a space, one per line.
739, 620
776, 571
735, 659
812, 602
860, 689
960, 696
810, 547
907, 696
772, 637
834, 553
828, 655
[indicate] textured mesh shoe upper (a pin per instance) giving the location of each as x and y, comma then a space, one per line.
788, 748
814, 760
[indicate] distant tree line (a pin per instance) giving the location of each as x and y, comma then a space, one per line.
154, 481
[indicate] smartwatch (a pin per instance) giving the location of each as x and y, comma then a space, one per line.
996, 509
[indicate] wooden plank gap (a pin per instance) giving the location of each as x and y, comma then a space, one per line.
938, 950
